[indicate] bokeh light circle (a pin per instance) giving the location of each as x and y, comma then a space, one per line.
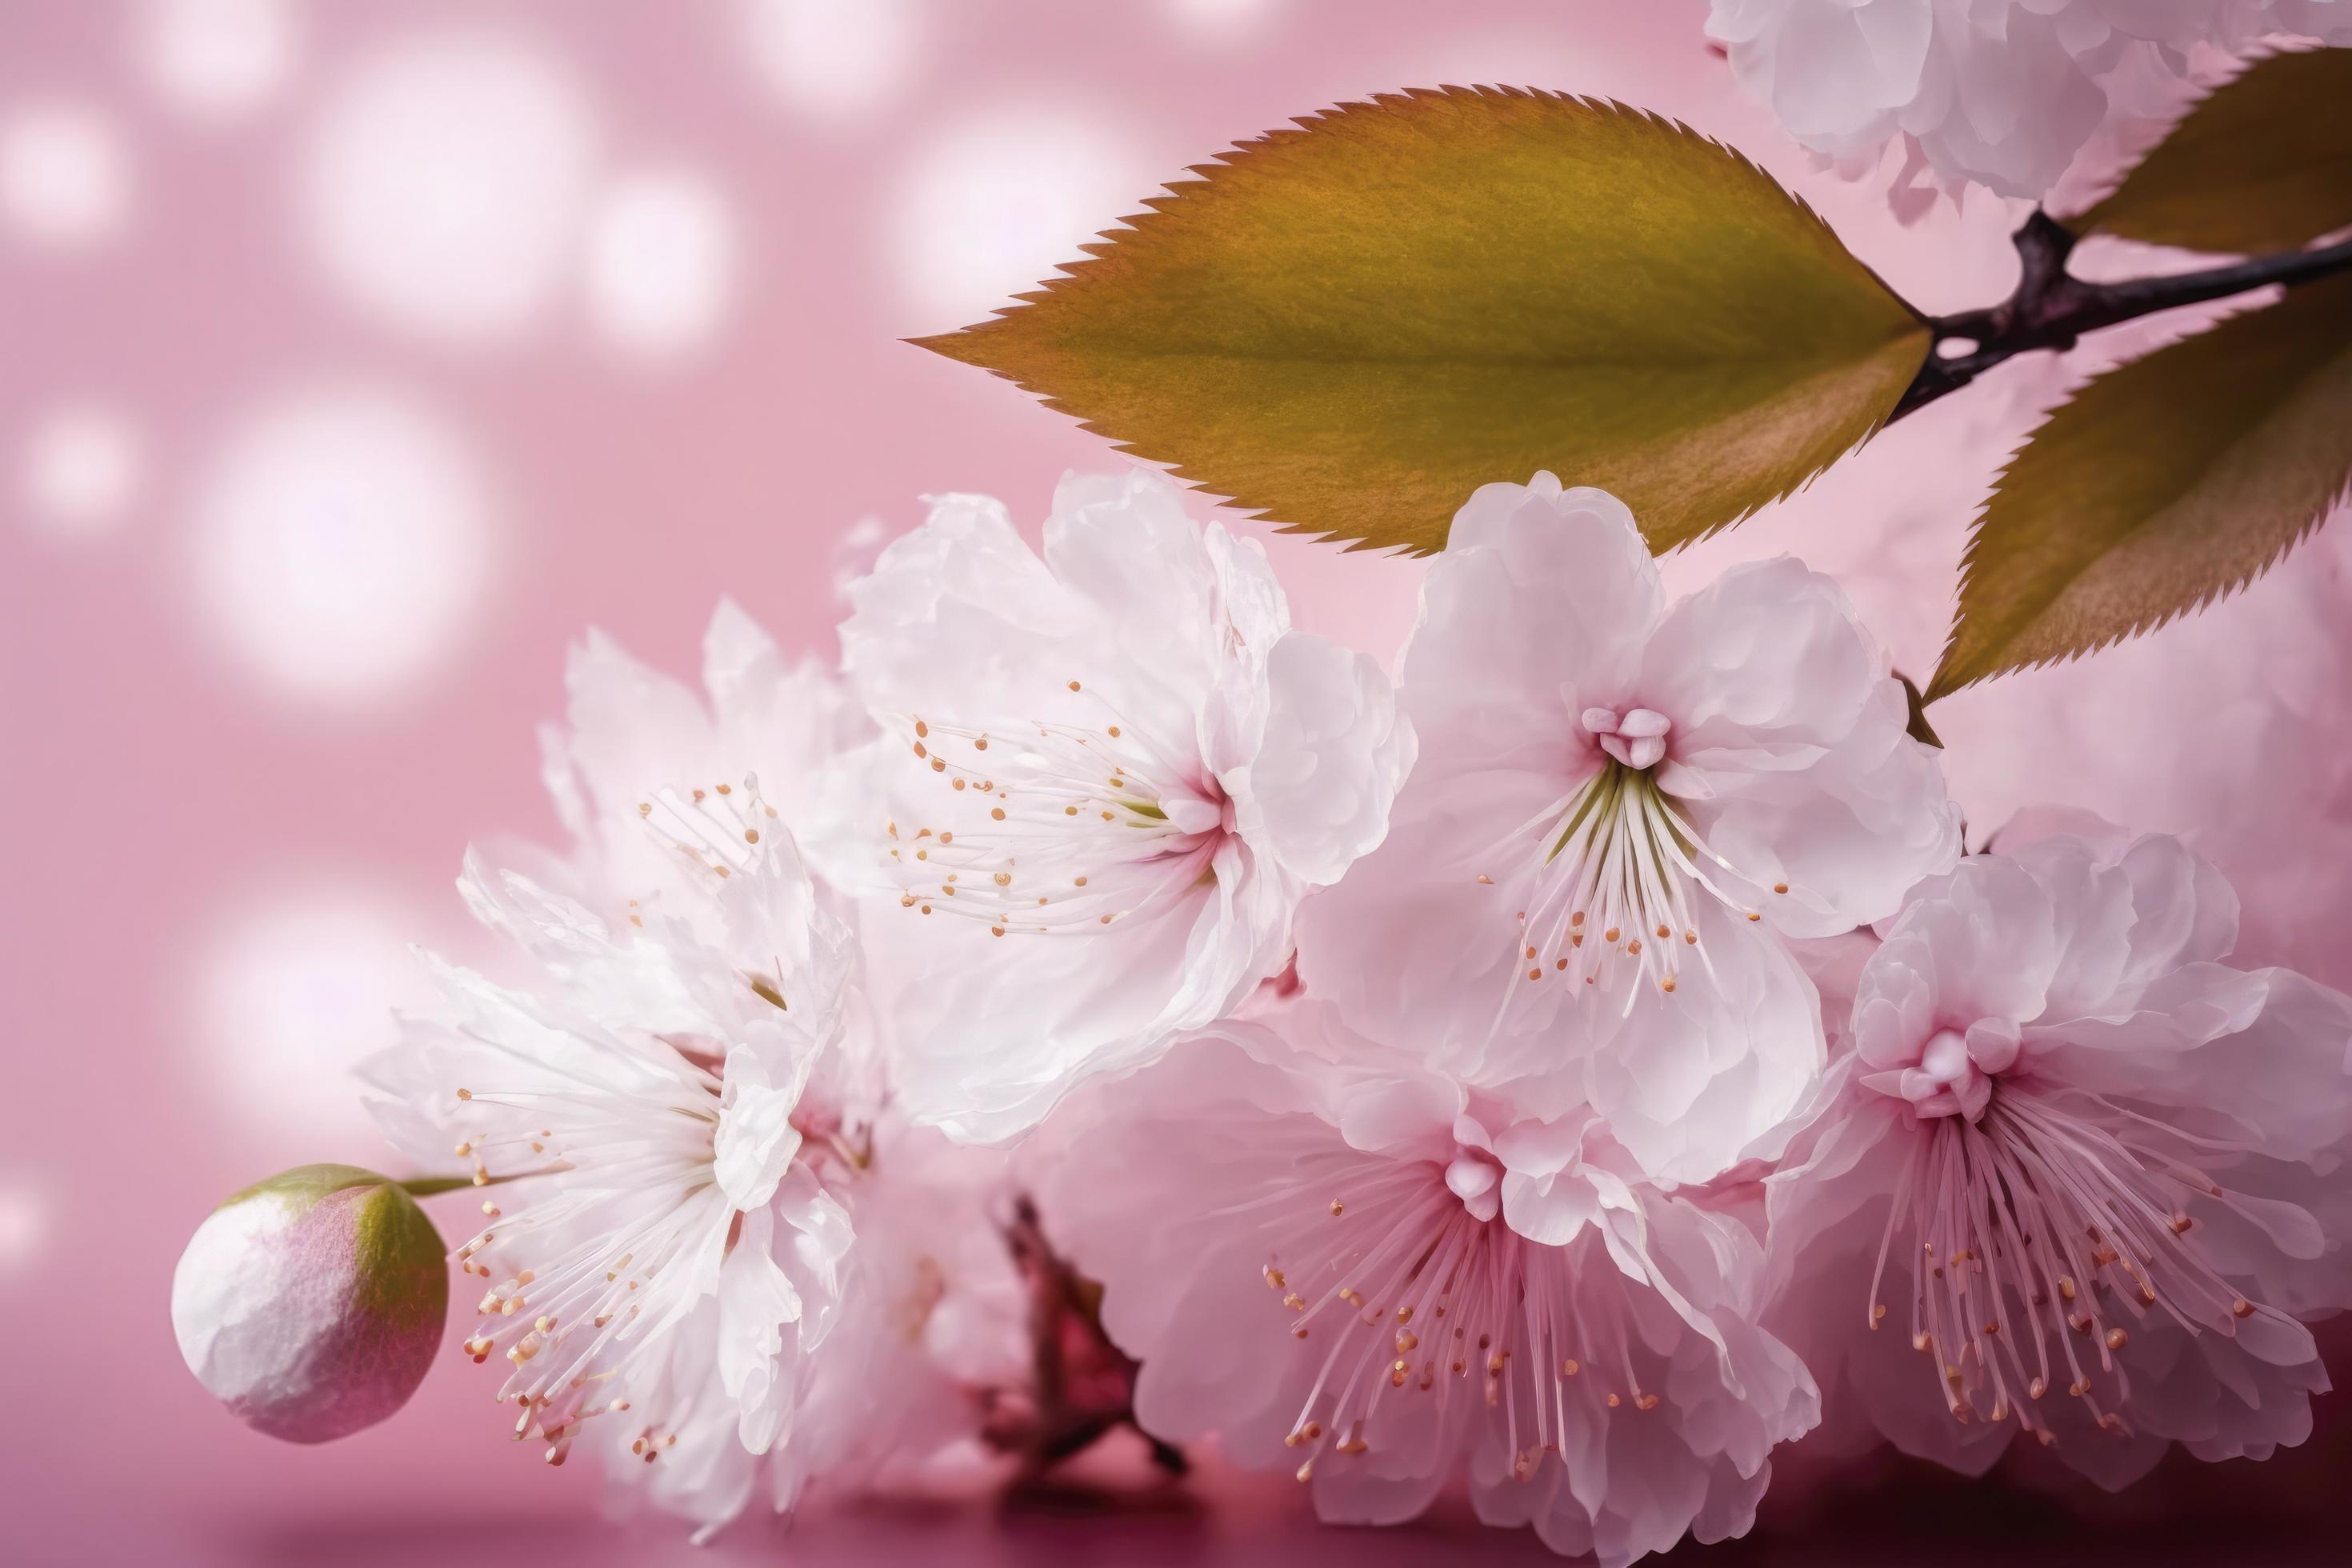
295, 991
994, 203
443, 184
23, 1226
218, 57
80, 469
660, 262
833, 60
65, 174
344, 542
1220, 21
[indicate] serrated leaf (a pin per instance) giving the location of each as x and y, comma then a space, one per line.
2263, 163
2163, 485
1351, 325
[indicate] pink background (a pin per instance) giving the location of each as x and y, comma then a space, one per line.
233, 795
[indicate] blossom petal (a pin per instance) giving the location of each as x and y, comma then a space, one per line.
1787, 720
1085, 731
1536, 611
756, 1301
756, 1139
1318, 792
960, 615
1690, 1082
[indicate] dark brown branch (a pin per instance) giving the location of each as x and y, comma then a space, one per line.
1082, 1386
2052, 308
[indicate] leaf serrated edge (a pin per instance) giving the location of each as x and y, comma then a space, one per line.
1938, 689
1234, 155
2082, 224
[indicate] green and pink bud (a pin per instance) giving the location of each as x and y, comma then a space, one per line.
310, 1304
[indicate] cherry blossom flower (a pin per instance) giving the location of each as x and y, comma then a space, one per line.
677, 1114
931, 1312
2076, 1176
1344, 1264
1621, 813
631, 731
1123, 770
2004, 93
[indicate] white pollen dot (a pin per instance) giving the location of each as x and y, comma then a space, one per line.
80, 469
995, 203
344, 542
295, 990
833, 59
443, 185
218, 57
64, 179
661, 262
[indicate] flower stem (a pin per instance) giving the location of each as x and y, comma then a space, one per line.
2052, 308
434, 1186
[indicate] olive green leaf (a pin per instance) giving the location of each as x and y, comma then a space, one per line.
2263, 163
2163, 485
1351, 325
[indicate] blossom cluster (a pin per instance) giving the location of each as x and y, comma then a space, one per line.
1567, 1072
2006, 94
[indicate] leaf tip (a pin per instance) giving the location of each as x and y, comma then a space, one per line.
960, 345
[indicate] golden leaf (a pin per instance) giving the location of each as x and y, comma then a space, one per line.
2263, 163
1351, 325
2163, 485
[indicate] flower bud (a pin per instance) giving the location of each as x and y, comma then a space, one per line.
311, 1303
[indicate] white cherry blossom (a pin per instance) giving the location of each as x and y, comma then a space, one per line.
2076, 1176
630, 730
660, 1131
1123, 769
1343, 1263
2001, 93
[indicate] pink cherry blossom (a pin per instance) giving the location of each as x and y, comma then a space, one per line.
1621, 812
2076, 1177
1346, 1264
1122, 771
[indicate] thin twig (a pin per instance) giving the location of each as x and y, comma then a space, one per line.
2052, 308
1082, 1386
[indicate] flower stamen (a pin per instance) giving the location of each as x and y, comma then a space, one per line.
2054, 1219
1510, 1324
1622, 870
1085, 825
